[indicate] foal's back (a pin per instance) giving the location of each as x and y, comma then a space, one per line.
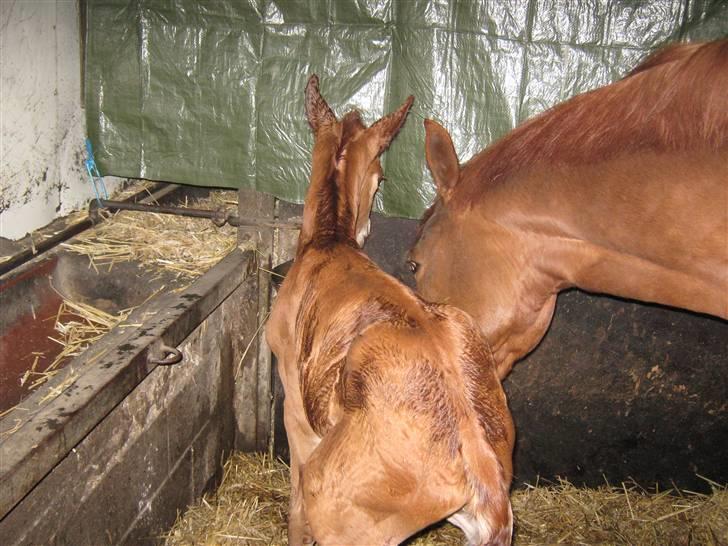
417, 424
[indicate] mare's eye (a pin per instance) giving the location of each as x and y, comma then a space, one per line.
412, 266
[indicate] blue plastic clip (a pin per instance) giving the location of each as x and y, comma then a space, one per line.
94, 174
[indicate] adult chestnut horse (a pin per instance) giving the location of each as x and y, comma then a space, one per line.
393, 409
622, 190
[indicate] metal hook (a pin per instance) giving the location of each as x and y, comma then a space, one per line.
173, 356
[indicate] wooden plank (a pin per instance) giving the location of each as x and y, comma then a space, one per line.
284, 249
45, 435
253, 397
165, 442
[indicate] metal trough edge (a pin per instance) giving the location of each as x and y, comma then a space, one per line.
42, 437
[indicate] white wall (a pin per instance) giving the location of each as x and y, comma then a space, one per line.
42, 124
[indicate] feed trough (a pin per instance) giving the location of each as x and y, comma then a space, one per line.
105, 428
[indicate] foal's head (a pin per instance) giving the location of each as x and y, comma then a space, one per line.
345, 171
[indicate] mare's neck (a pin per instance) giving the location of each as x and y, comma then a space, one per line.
597, 269
630, 228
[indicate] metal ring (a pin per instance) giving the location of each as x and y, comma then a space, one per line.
173, 356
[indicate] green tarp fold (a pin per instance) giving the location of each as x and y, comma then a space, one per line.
210, 92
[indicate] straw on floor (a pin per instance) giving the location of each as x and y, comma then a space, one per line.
250, 508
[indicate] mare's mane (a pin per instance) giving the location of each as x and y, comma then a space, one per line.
675, 100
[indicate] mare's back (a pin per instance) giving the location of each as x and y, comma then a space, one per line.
640, 165
673, 103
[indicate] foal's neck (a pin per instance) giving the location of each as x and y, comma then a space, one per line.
329, 214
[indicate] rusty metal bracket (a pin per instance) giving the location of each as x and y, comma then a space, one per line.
172, 355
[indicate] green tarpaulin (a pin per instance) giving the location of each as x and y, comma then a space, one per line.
211, 92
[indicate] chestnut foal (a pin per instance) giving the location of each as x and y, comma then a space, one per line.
393, 410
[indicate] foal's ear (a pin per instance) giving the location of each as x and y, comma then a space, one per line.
442, 160
384, 130
317, 110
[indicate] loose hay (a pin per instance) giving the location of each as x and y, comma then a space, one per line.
185, 246
78, 325
251, 506
564, 514
133, 187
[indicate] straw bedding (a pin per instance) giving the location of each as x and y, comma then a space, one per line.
184, 246
251, 504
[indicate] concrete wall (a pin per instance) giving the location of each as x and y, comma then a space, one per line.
42, 122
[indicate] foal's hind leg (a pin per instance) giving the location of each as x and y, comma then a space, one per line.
301, 442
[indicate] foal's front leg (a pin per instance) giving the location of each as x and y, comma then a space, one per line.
299, 531
300, 445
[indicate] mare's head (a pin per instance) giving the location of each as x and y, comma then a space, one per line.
345, 171
465, 259
496, 241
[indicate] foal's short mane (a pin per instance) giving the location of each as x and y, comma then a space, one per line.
675, 100
334, 217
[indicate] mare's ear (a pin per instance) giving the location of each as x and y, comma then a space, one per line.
318, 112
383, 131
442, 160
